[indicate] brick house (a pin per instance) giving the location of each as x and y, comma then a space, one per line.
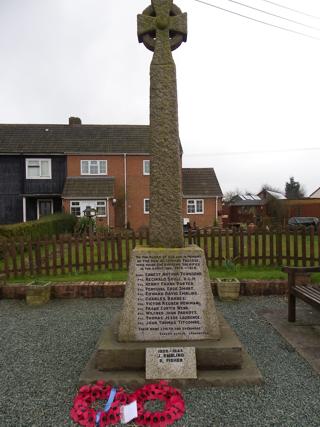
49, 168
202, 197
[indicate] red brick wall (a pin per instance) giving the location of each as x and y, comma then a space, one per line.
137, 190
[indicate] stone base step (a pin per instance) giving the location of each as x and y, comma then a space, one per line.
219, 363
111, 354
249, 374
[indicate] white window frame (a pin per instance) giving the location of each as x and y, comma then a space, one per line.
92, 203
89, 164
193, 202
145, 172
38, 160
38, 207
105, 208
144, 206
75, 206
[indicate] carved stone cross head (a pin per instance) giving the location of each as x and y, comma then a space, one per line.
162, 27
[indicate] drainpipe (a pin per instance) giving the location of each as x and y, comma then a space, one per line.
216, 208
24, 209
108, 216
125, 189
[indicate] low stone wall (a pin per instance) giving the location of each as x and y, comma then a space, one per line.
116, 289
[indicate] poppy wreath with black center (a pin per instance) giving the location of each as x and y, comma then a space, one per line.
83, 414
174, 407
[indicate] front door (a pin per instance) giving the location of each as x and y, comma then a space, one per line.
45, 207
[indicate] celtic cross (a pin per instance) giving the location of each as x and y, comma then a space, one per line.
162, 28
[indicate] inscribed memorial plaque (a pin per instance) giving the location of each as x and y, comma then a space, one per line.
168, 297
171, 362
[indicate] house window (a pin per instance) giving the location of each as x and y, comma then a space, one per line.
146, 206
146, 167
101, 208
38, 168
93, 167
75, 208
195, 206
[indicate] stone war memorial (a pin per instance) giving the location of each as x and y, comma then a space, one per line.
169, 327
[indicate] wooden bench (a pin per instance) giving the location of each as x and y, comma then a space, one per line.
308, 293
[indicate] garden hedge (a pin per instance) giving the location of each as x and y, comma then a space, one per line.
46, 226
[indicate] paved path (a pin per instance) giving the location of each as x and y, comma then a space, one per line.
43, 351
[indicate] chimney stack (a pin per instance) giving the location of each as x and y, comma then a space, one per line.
74, 121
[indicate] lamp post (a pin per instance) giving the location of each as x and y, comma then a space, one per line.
90, 213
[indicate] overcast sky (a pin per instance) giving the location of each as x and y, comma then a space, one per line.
248, 93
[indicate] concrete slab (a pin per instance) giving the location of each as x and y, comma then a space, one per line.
303, 335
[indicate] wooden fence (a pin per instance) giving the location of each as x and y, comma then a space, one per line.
110, 252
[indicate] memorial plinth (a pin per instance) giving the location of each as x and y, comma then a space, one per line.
168, 296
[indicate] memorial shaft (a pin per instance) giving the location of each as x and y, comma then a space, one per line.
168, 29
165, 180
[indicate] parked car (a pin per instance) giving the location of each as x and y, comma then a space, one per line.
303, 221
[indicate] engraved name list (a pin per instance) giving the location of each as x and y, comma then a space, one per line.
170, 296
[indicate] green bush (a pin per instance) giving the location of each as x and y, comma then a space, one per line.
46, 226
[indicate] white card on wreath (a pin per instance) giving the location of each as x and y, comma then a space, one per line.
128, 412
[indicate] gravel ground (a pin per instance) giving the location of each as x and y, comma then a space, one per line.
43, 351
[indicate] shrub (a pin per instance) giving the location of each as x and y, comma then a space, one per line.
85, 225
46, 226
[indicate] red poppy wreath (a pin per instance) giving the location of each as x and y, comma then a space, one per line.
173, 410
82, 412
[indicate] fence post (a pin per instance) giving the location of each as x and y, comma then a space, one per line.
295, 248
241, 247
311, 242
84, 253
304, 246
264, 246
106, 251
127, 249
227, 243
220, 255
205, 244
256, 247
271, 246
279, 246
249, 246
235, 244
119, 250
61, 246
213, 249
54, 255
288, 245
113, 256
99, 251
